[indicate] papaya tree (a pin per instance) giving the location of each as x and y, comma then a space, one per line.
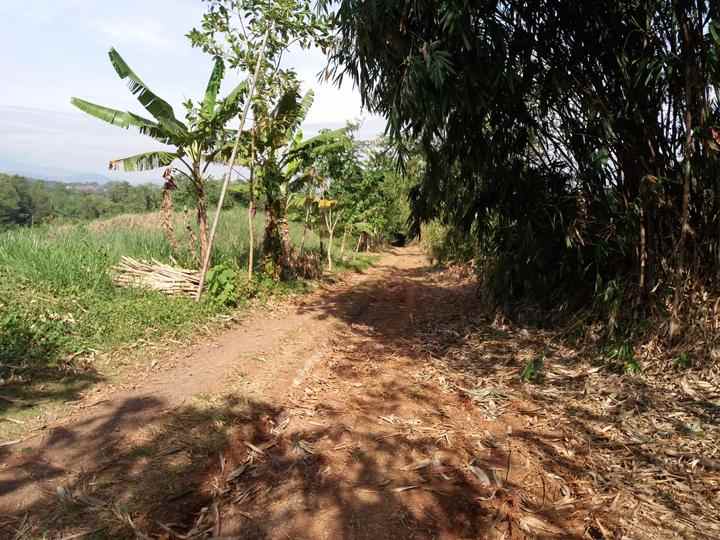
252, 36
341, 169
195, 143
331, 215
307, 203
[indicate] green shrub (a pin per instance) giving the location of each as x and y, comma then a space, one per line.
222, 285
533, 370
31, 339
683, 361
446, 244
622, 358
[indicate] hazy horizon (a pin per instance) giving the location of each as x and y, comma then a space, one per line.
45, 136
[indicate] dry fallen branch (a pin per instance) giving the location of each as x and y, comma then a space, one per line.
156, 276
10, 443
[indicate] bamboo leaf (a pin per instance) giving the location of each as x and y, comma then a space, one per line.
715, 32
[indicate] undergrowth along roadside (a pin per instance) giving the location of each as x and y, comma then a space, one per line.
624, 336
59, 310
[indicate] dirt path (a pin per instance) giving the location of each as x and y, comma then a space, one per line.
265, 355
386, 406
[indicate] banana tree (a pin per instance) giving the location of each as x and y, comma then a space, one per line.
253, 36
287, 167
197, 142
282, 160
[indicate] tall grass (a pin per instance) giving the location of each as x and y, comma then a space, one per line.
56, 288
58, 303
82, 255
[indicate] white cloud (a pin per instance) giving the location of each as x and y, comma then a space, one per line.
136, 32
65, 55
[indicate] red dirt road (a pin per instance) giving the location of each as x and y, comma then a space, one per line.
386, 406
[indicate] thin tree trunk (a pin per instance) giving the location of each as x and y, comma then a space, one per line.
675, 325
304, 234
331, 224
644, 239
251, 209
202, 218
233, 156
203, 232
251, 240
322, 244
717, 241
166, 214
270, 241
286, 244
650, 240
342, 244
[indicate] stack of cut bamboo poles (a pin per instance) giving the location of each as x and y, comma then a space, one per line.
156, 276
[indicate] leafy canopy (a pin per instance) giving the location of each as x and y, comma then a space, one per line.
200, 136
573, 142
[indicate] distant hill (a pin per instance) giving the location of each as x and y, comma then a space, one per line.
51, 173
30, 201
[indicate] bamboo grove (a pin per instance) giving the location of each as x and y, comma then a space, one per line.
574, 145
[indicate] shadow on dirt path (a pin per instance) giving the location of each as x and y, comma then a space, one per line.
263, 358
386, 406
285, 425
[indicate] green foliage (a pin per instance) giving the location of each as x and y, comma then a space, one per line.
29, 335
573, 143
371, 194
446, 244
533, 370
57, 296
26, 201
263, 287
632, 367
283, 21
199, 138
199, 141
623, 358
253, 35
221, 283
683, 361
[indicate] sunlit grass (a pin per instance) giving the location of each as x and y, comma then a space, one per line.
58, 305
56, 291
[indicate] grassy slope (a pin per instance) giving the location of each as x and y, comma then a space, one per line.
57, 301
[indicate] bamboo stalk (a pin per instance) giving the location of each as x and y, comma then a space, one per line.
251, 209
156, 276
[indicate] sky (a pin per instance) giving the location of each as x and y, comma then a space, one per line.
55, 49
